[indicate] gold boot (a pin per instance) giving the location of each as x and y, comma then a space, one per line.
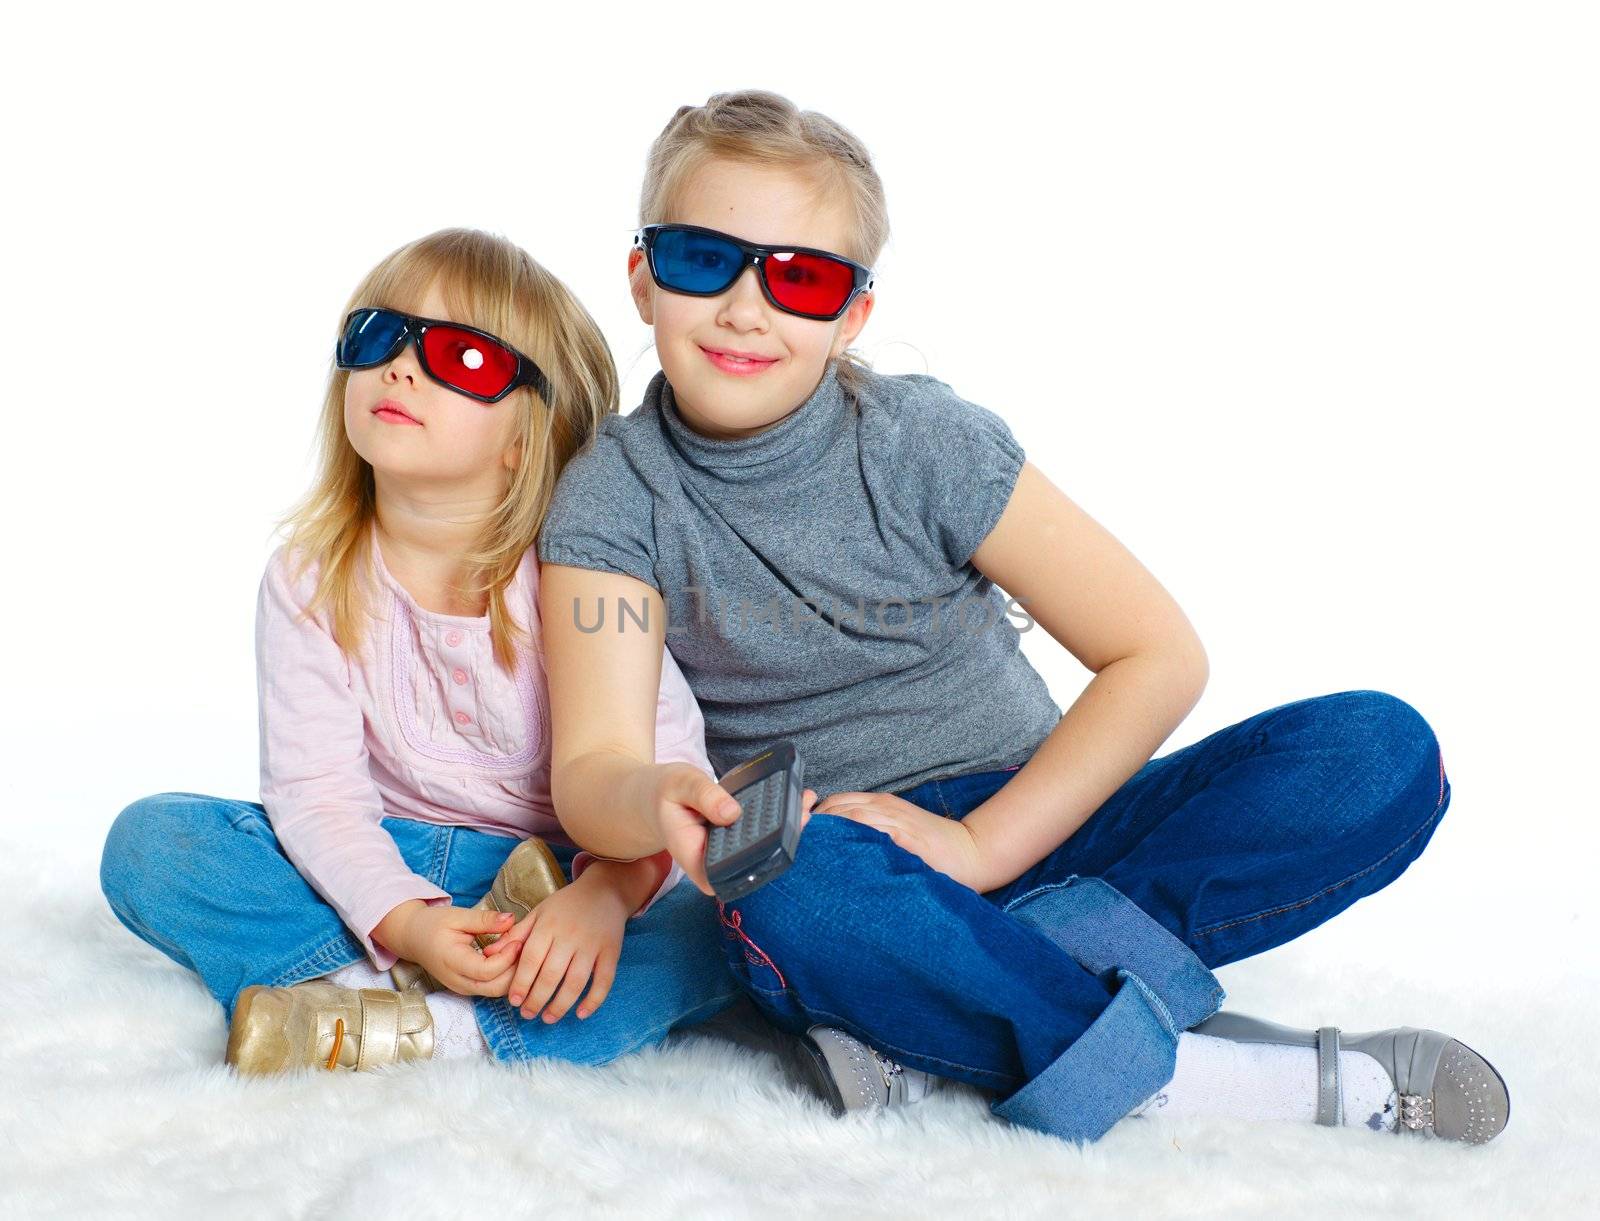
318, 1024
527, 877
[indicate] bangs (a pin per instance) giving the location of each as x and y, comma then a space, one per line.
824, 185
477, 282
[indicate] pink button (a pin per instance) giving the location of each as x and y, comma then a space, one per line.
463, 719
460, 676
452, 638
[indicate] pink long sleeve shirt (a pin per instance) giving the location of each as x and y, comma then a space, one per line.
423, 724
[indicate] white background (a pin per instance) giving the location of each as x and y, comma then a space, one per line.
1298, 300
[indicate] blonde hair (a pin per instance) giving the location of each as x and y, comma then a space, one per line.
492, 284
767, 129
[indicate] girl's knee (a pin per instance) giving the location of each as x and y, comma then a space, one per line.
836, 856
1399, 737
1377, 733
838, 845
851, 884
147, 835
125, 856
1390, 720
1378, 720
1394, 755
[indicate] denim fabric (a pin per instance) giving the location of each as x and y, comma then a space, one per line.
204, 880
1063, 992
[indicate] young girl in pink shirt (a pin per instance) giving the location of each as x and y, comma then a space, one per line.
405, 723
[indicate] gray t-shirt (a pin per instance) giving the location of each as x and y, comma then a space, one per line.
817, 577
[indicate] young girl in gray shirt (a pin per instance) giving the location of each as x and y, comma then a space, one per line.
996, 892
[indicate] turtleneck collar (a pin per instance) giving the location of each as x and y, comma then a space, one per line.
795, 443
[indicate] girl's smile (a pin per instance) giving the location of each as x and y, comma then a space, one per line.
739, 366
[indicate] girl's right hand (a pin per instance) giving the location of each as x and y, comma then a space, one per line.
687, 802
441, 938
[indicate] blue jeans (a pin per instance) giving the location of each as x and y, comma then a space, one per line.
1063, 992
204, 880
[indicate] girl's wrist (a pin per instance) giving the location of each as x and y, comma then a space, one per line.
981, 869
631, 882
390, 932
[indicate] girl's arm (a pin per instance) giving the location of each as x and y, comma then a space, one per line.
316, 784
602, 701
610, 795
680, 737
1108, 611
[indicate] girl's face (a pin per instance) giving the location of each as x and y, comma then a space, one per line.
766, 206
410, 428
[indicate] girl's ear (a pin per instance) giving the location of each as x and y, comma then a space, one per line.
855, 318
639, 286
512, 458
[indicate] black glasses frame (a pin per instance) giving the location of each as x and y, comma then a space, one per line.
756, 256
527, 373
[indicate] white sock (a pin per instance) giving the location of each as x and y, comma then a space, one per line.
918, 1084
1224, 1079
359, 974
455, 1021
455, 1027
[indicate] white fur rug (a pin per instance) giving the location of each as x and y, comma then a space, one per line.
116, 1104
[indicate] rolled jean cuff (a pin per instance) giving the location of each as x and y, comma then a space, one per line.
1107, 933
1128, 1053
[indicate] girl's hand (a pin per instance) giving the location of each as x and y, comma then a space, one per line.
944, 843
571, 937
440, 938
686, 801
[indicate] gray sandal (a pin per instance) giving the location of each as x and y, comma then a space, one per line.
1447, 1091
850, 1075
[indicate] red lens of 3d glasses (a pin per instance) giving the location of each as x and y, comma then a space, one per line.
808, 283
470, 362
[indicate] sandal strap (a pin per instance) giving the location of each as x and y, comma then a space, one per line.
380, 1028
1330, 1085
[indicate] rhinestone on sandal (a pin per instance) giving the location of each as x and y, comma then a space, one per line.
1416, 1112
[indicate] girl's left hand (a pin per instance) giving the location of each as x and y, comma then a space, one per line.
572, 936
944, 843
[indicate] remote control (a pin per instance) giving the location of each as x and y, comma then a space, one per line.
760, 844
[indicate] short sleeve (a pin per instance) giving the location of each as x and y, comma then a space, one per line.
602, 514
957, 461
